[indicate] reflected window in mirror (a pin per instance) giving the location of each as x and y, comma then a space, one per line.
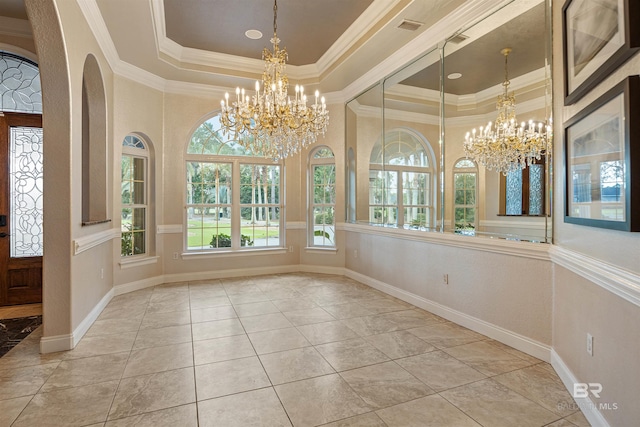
401, 180
465, 184
522, 191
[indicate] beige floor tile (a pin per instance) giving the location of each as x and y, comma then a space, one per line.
212, 313
247, 297
385, 305
278, 340
163, 320
265, 322
308, 316
439, 370
542, 386
444, 335
206, 292
230, 377
204, 302
278, 294
346, 311
561, 423
294, 365
27, 353
131, 299
120, 312
216, 329
24, 381
85, 371
351, 354
491, 403
78, 406
147, 393
487, 358
256, 308
179, 416
162, 336
370, 325
430, 411
294, 304
158, 359
385, 384
399, 344
365, 420
255, 408
113, 326
11, 408
524, 356
320, 400
407, 319
322, 333
175, 297
102, 344
578, 419
221, 349
168, 306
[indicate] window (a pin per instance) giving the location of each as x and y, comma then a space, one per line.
401, 181
322, 197
522, 191
465, 186
133, 192
233, 199
20, 90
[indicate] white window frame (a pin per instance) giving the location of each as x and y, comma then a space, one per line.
312, 205
465, 170
140, 153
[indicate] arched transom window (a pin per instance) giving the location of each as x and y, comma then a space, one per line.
402, 180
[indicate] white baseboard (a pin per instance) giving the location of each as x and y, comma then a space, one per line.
56, 343
589, 409
321, 269
137, 285
512, 339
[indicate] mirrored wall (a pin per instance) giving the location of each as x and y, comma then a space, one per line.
406, 162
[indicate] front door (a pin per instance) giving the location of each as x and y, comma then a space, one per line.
20, 208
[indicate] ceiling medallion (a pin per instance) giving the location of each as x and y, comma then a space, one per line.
506, 146
270, 123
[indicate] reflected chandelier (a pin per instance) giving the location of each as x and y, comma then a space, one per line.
506, 146
270, 123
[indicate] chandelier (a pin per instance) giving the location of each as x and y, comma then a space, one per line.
270, 123
506, 145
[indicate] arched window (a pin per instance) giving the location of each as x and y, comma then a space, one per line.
233, 198
322, 197
402, 180
20, 90
465, 201
134, 191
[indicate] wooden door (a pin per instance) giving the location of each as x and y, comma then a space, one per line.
20, 208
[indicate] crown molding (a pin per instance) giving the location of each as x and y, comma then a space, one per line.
92, 14
15, 27
468, 12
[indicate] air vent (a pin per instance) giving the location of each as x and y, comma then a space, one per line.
458, 38
410, 25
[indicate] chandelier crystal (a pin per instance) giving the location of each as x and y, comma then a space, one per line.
506, 145
270, 123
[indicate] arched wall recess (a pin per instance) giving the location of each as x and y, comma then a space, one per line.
94, 144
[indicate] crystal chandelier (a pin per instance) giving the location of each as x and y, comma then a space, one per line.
506, 146
270, 123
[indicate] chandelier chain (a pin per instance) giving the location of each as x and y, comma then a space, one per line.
270, 123
506, 146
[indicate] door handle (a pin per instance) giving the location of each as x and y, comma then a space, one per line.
4, 235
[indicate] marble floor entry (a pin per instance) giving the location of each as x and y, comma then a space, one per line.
278, 350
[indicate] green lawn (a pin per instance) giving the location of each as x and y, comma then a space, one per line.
255, 232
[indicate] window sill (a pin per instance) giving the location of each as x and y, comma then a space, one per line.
95, 222
320, 250
228, 254
137, 262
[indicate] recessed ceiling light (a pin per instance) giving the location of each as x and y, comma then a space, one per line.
253, 34
454, 76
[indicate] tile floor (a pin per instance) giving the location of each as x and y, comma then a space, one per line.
278, 350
